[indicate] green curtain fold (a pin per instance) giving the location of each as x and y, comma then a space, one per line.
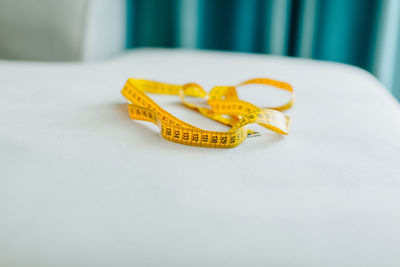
364, 33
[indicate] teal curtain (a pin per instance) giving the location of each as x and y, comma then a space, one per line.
364, 33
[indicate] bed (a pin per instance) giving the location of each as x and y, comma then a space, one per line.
81, 184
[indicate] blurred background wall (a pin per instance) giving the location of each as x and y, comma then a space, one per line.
62, 30
364, 33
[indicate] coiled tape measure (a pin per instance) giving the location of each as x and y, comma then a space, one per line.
222, 100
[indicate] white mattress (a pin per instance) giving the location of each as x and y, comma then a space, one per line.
83, 185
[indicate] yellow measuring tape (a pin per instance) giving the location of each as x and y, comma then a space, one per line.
224, 107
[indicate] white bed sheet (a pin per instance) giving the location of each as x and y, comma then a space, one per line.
83, 185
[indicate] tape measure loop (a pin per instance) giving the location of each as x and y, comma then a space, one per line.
222, 100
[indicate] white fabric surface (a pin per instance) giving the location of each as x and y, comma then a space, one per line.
83, 185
